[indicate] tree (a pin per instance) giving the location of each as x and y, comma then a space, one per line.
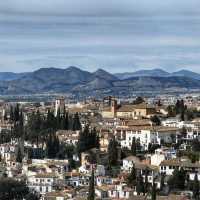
134, 147
177, 181
171, 111
196, 145
88, 139
153, 147
91, 195
76, 123
153, 192
162, 181
140, 185
19, 155
156, 120
146, 183
138, 146
11, 113
195, 188
131, 180
32, 196
16, 113
139, 100
11, 189
113, 152
52, 146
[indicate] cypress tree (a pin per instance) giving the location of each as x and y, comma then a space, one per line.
140, 185
153, 192
11, 113
195, 188
66, 121
146, 183
91, 195
134, 147
16, 113
19, 156
76, 123
131, 180
113, 152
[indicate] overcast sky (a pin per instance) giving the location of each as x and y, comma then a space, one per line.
117, 35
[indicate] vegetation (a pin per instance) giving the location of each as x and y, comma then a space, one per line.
177, 181
113, 152
91, 195
131, 180
156, 120
87, 139
11, 189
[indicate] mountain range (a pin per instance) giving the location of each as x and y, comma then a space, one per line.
76, 81
158, 73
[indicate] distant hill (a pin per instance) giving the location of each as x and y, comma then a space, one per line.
187, 73
100, 73
76, 81
153, 72
158, 73
8, 76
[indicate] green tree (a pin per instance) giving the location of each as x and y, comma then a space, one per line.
146, 183
19, 155
113, 152
131, 180
11, 189
162, 181
76, 123
196, 145
139, 100
53, 146
11, 113
91, 195
195, 188
156, 120
140, 185
134, 147
177, 180
16, 113
153, 192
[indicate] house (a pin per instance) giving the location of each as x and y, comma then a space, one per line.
155, 135
167, 167
162, 154
129, 162
128, 111
43, 182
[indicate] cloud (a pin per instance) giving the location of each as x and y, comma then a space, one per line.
99, 7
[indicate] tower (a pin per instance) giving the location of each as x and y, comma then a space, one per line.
113, 107
60, 106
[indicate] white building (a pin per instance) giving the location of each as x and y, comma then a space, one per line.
43, 183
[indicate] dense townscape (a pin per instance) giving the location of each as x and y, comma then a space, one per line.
138, 148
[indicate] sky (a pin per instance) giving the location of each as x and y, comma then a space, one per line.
116, 35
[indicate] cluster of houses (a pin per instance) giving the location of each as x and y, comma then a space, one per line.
54, 179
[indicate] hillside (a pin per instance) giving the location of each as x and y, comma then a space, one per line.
76, 81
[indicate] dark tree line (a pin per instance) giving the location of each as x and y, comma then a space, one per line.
11, 189
140, 183
41, 129
88, 139
181, 109
113, 153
